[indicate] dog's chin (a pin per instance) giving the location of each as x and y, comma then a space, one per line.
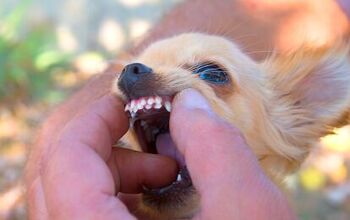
171, 202
149, 117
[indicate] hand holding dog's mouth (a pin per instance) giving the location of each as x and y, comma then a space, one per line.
99, 172
166, 146
209, 146
83, 173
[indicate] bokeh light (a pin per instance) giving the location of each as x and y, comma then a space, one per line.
53, 47
137, 3
111, 35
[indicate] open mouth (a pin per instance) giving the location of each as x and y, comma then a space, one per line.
149, 116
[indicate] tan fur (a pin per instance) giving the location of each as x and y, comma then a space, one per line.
282, 106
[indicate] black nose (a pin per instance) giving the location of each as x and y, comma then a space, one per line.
132, 77
136, 69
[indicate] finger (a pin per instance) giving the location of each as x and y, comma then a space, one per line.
222, 167
135, 170
99, 127
80, 188
215, 152
77, 182
96, 88
36, 201
345, 4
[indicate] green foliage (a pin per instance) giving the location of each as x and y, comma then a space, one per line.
28, 61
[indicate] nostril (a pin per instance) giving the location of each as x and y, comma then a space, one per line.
136, 69
133, 79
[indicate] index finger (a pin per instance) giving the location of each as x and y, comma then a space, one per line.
99, 127
75, 177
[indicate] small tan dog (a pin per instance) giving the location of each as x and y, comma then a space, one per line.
282, 106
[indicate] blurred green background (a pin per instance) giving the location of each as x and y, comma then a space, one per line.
48, 49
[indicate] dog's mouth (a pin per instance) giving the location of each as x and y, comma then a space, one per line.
149, 116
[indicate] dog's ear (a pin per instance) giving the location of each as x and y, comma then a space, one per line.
315, 84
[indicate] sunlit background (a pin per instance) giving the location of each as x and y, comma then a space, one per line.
49, 48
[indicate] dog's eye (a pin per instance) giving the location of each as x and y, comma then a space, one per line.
211, 72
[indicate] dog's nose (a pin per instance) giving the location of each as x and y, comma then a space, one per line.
137, 69
132, 75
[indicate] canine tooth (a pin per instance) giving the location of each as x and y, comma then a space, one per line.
158, 100
148, 106
157, 106
150, 101
130, 110
126, 108
178, 178
167, 106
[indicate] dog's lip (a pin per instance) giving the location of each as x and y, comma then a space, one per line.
182, 181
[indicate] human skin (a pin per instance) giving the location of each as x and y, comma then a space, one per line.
229, 180
83, 174
258, 26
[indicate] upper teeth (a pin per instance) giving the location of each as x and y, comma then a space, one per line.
158, 100
167, 106
150, 101
146, 103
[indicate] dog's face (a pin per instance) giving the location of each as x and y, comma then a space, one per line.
280, 106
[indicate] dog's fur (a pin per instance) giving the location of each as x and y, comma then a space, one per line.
282, 105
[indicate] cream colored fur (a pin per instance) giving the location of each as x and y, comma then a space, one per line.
282, 105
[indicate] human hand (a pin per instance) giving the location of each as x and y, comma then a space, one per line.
223, 168
345, 4
81, 174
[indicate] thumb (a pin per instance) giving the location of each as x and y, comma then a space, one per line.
215, 151
223, 169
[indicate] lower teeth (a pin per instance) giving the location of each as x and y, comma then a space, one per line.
178, 178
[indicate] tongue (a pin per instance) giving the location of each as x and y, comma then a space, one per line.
166, 146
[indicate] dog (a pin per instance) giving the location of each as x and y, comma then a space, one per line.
282, 105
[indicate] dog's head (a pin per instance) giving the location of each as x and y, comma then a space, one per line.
281, 106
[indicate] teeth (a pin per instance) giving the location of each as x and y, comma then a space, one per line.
150, 101
167, 106
158, 100
126, 108
139, 106
178, 178
132, 104
158, 106
143, 102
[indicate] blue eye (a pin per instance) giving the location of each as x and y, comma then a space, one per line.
211, 72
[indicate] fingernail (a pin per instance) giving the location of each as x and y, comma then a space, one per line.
192, 99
